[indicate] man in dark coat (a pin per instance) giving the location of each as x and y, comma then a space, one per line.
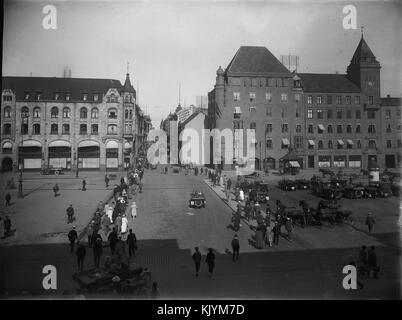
84, 185
370, 222
235, 247
72, 237
7, 226
210, 260
8, 199
81, 252
132, 243
372, 263
97, 252
106, 181
70, 214
277, 232
197, 260
113, 238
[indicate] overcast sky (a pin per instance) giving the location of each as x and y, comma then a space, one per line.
169, 42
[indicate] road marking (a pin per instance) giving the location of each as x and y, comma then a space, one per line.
190, 213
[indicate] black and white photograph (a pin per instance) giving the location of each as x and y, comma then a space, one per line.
221, 150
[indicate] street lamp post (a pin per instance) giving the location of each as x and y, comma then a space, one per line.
77, 161
20, 194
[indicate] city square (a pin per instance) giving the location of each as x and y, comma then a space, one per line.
149, 166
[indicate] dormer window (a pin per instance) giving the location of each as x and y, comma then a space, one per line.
56, 96
96, 97
84, 97
7, 98
38, 96
113, 98
26, 96
67, 97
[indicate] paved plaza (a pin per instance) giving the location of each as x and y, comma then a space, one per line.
167, 230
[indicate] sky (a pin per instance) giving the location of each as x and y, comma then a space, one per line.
172, 42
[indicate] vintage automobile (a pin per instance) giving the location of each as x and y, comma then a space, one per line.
261, 192
326, 171
382, 190
302, 184
396, 189
153, 166
354, 192
253, 175
287, 185
197, 199
176, 169
52, 170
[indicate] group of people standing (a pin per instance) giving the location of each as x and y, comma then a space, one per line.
111, 221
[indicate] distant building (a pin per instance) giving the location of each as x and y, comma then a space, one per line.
72, 123
201, 102
391, 132
184, 113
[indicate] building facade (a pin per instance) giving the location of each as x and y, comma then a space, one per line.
73, 123
323, 120
391, 109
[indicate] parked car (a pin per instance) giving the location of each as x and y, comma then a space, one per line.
354, 192
261, 192
382, 190
302, 184
52, 170
287, 185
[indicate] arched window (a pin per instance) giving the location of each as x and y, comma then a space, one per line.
371, 144
329, 129
320, 145
36, 112
94, 129
24, 112
113, 98
83, 129
94, 113
83, 113
66, 128
126, 114
54, 128
54, 112
112, 113
7, 129
330, 144
7, 112
112, 129
36, 128
66, 112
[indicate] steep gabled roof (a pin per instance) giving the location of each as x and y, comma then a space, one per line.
127, 85
255, 60
363, 53
331, 83
47, 86
195, 114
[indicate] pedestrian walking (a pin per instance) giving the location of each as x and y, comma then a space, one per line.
362, 267
241, 195
118, 222
120, 247
372, 263
227, 192
107, 181
8, 199
72, 237
70, 214
124, 224
90, 231
370, 222
7, 227
132, 243
288, 227
113, 238
229, 184
56, 190
269, 234
155, 294
235, 247
97, 252
134, 210
81, 252
84, 185
210, 260
197, 260
277, 232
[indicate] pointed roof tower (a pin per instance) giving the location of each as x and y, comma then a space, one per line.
127, 85
363, 53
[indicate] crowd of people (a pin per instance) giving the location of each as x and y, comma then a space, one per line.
110, 222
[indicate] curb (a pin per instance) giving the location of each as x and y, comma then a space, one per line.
227, 203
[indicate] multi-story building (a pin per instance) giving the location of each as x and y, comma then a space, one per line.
257, 92
184, 113
391, 122
73, 123
322, 120
342, 118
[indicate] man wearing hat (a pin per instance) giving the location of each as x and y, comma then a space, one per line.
370, 222
235, 247
72, 237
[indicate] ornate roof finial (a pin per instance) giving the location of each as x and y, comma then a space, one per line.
361, 30
128, 64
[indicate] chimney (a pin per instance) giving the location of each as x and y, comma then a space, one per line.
388, 96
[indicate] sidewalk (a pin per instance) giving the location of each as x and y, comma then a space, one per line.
341, 236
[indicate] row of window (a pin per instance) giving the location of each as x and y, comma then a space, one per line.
338, 100
54, 129
388, 113
268, 96
371, 114
66, 113
330, 144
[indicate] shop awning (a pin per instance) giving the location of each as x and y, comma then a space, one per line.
7, 145
341, 142
294, 164
321, 127
237, 110
311, 142
285, 141
88, 143
112, 144
30, 143
127, 145
59, 143
350, 142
